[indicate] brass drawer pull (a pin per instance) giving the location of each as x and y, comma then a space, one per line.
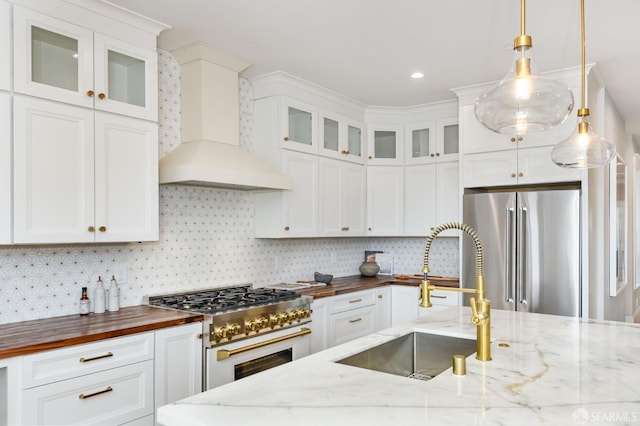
355, 300
355, 320
107, 355
83, 396
344, 228
224, 353
433, 296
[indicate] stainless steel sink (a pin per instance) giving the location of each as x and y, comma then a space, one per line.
416, 355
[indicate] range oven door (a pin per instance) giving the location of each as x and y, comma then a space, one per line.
233, 361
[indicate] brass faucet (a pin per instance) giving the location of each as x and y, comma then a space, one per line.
480, 307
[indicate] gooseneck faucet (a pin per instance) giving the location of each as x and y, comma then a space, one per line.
480, 306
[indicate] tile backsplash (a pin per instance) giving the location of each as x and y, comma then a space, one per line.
206, 240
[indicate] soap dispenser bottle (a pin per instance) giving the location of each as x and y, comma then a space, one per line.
99, 299
114, 295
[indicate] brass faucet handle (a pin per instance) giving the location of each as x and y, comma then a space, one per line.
475, 318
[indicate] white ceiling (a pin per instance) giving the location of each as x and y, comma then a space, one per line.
366, 49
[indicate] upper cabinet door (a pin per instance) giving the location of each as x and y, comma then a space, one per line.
385, 145
5, 46
299, 126
126, 78
53, 59
448, 139
53, 172
5, 168
341, 138
421, 143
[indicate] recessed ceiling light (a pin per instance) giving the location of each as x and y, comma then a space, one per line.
417, 75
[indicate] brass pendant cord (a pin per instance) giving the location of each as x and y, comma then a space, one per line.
523, 31
582, 110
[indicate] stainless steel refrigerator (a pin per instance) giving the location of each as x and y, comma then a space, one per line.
532, 249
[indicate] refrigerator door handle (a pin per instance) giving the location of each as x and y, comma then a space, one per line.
522, 256
508, 264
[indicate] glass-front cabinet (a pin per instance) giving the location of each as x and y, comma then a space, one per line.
5, 46
68, 63
385, 144
432, 141
341, 138
298, 126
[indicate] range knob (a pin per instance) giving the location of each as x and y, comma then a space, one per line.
294, 315
275, 319
221, 331
255, 324
304, 313
262, 322
234, 329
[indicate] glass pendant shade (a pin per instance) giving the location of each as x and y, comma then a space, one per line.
524, 102
584, 149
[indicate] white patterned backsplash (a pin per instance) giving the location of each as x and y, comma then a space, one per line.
206, 240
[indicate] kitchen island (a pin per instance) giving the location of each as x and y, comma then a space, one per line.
545, 370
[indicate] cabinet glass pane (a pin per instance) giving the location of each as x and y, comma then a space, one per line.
54, 59
300, 126
355, 141
420, 143
126, 79
450, 135
384, 144
330, 134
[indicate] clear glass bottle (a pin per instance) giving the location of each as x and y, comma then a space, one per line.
84, 302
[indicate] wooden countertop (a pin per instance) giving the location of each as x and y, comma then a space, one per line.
27, 337
344, 285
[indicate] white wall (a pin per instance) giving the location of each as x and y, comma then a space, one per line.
206, 240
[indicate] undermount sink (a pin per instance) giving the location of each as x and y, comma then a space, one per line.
416, 355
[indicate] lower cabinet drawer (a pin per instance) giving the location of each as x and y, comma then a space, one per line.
352, 324
60, 364
110, 397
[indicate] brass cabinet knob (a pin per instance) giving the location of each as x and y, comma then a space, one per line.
379, 296
286, 228
369, 228
370, 158
520, 174
102, 229
91, 229
519, 138
101, 95
513, 139
437, 154
90, 93
286, 138
513, 175
432, 155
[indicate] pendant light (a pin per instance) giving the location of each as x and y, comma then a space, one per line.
585, 149
523, 101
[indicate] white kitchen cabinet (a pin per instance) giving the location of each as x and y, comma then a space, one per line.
432, 141
351, 316
178, 363
291, 213
341, 138
342, 198
5, 46
405, 301
514, 167
5, 168
10, 374
478, 138
319, 322
383, 308
385, 144
104, 382
58, 60
432, 197
298, 126
385, 200
81, 176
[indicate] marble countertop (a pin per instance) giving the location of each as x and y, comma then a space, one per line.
555, 370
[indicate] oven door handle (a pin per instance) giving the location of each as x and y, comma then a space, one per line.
224, 353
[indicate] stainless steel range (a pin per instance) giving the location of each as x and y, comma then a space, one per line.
245, 330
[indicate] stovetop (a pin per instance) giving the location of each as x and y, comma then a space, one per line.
214, 301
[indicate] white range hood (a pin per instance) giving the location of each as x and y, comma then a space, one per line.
210, 153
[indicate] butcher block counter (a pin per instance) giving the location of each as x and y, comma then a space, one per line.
28, 337
355, 283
